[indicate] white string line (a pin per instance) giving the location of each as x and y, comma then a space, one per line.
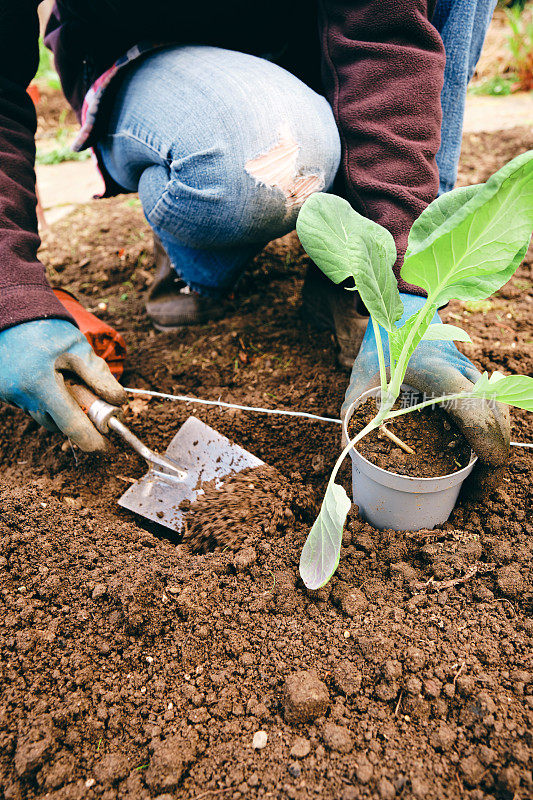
221, 404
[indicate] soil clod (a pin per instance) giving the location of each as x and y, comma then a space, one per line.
306, 697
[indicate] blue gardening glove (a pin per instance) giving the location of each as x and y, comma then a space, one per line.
438, 368
32, 356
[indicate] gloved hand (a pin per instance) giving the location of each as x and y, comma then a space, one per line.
438, 368
32, 356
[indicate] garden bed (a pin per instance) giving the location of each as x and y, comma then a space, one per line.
133, 667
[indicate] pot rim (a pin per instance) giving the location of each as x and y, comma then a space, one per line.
460, 474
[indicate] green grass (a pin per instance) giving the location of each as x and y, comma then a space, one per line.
474, 306
497, 86
46, 72
60, 154
62, 150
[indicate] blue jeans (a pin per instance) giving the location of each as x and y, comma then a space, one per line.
462, 25
223, 148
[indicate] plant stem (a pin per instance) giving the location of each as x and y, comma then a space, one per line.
381, 360
383, 416
461, 396
401, 365
372, 425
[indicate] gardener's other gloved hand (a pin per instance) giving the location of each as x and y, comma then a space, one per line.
438, 368
32, 356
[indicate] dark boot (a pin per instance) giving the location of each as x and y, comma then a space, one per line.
170, 303
327, 306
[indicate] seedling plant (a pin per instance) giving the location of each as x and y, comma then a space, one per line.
465, 245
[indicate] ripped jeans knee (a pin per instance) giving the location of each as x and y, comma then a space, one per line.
223, 148
220, 197
280, 168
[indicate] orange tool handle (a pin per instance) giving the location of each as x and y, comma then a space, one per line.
105, 340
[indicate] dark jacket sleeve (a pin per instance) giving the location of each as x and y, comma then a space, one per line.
24, 292
383, 66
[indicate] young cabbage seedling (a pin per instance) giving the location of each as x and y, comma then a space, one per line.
465, 245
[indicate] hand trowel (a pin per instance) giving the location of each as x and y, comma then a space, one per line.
197, 454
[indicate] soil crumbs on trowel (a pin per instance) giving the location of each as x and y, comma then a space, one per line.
134, 669
439, 448
245, 508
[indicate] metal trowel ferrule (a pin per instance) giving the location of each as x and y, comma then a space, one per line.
161, 466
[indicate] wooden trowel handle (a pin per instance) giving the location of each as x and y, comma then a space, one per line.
98, 411
82, 395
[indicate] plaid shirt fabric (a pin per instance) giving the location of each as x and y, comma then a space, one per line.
93, 99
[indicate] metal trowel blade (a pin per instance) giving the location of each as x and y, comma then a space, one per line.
205, 454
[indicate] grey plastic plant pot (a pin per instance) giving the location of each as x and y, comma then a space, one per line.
400, 502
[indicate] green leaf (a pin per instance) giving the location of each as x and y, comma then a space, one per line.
515, 390
438, 214
345, 244
445, 333
483, 286
323, 227
374, 278
468, 242
321, 551
398, 336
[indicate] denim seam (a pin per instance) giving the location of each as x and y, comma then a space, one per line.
134, 138
243, 207
163, 198
131, 137
151, 212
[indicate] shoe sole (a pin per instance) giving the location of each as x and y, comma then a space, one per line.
186, 323
168, 328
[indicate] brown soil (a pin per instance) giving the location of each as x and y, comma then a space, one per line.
246, 509
439, 447
53, 113
484, 153
133, 668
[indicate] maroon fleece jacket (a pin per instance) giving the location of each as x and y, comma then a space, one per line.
380, 63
